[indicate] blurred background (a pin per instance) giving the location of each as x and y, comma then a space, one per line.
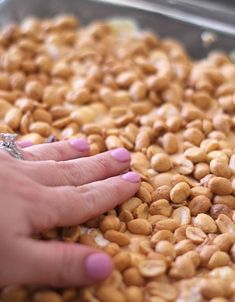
227, 2
222, 2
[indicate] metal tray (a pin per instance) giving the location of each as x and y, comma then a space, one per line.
183, 20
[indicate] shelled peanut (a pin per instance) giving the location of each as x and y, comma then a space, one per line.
174, 240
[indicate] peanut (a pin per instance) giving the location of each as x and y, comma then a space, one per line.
117, 237
160, 207
184, 166
47, 296
109, 223
122, 261
139, 226
131, 276
205, 222
105, 292
175, 116
170, 143
220, 186
180, 192
165, 291
195, 154
195, 234
14, 293
225, 224
152, 268
134, 293
12, 118
161, 162
199, 204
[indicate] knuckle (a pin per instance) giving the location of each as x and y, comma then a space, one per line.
28, 155
59, 151
102, 164
115, 188
65, 266
88, 201
68, 172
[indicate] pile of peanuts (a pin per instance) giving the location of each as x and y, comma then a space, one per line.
175, 240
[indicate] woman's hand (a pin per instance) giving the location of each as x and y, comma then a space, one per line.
54, 188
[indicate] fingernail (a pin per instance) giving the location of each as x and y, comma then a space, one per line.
24, 144
80, 144
131, 177
121, 154
98, 266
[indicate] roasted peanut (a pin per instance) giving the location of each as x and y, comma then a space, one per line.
117, 237
47, 296
183, 267
180, 192
14, 293
182, 215
12, 118
220, 186
160, 207
225, 224
109, 223
218, 209
122, 261
42, 128
170, 143
152, 268
161, 162
134, 293
220, 168
174, 115
183, 166
195, 234
166, 248
201, 170
132, 276
205, 222
199, 204
139, 226
162, 192
104, 293
213, 288
195, 154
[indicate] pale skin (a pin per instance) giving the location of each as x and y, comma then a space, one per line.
57, 185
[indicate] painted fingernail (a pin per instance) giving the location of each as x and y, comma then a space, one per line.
121, 154
80, 144
24, 144
131, 177
98, 266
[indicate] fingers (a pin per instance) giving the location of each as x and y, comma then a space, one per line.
63, 206
58, 151
61, 264
24, 144
79, 171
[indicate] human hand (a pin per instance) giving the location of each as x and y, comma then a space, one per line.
53, 188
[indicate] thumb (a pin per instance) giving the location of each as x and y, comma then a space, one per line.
64, 264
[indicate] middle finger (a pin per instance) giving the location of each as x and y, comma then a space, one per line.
79, 171
67, 206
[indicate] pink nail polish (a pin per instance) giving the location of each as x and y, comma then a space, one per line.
24, 144
131, 177
121, 154
80, 144
98, 266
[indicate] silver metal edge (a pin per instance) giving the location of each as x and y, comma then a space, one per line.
174, 13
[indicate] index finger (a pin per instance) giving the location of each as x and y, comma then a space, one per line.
58, 151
